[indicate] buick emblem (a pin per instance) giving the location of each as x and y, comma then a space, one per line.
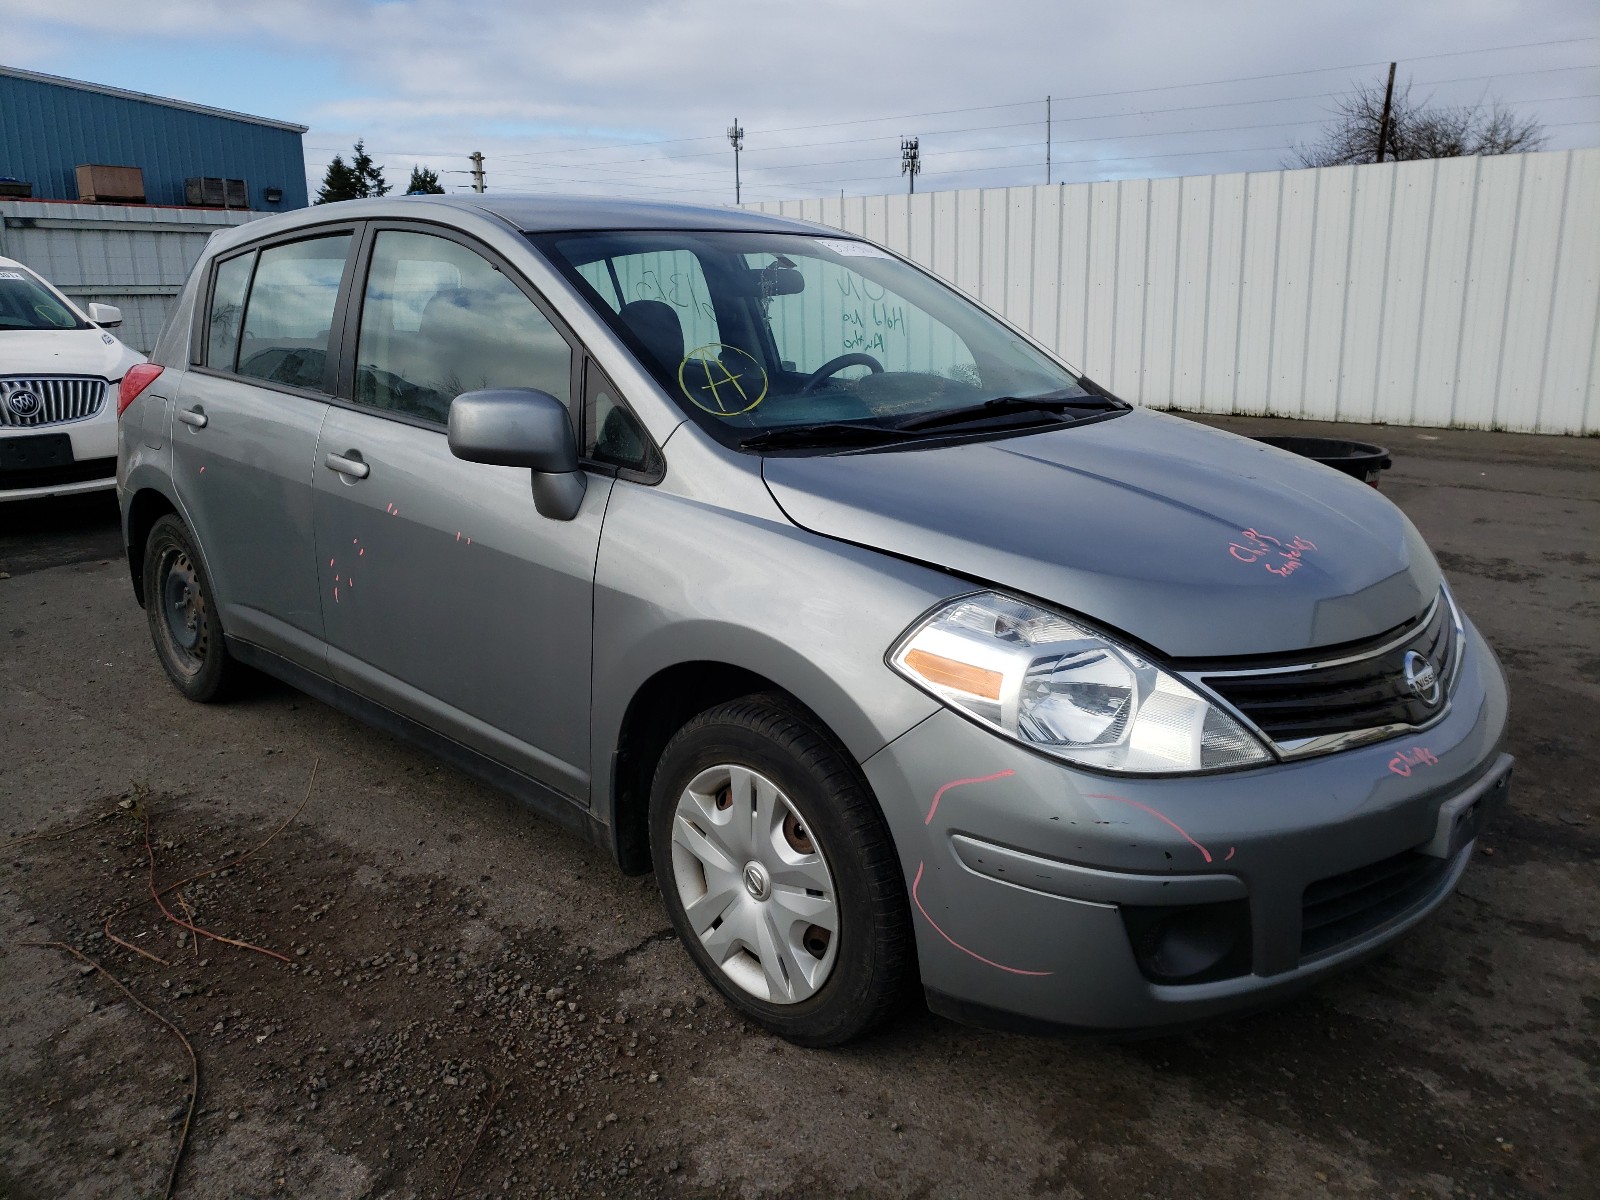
1421, 678
22, 402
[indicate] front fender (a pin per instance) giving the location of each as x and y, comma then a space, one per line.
681, 581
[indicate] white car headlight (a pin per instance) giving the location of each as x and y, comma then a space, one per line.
1057, 686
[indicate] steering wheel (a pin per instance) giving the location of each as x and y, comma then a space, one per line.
834, 365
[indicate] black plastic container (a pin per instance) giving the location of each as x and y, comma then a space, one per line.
1361, 460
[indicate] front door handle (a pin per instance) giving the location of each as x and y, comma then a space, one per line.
195, 417
348, 464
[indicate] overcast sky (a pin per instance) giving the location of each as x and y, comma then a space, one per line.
634, 96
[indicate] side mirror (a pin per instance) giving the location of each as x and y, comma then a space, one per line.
107, 316
521, 427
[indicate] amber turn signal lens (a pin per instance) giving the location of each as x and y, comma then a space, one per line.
948, 672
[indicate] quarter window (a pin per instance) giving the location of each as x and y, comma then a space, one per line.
288, 319
439, 320
227, 312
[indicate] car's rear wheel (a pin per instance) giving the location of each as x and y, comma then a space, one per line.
183, 619
778, 871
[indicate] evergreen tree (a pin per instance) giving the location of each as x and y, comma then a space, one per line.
370, 174
340, 182
424, 182
354, 180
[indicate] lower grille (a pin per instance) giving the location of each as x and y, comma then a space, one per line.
78, 472
32, 402
1340, 909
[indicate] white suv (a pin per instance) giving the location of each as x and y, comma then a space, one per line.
59, 373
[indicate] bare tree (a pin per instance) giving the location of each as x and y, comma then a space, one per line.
1417, 129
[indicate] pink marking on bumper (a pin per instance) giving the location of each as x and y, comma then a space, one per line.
934, 807
915, 899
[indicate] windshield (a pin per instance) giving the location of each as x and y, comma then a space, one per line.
760, 333
25, 303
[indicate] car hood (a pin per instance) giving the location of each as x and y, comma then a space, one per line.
89, 351
1196, 542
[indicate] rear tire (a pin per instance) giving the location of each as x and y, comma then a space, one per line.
778, 871
182, 614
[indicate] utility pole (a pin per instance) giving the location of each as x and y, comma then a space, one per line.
1383, 125
1047, 139
476, 159
736, 140
910, 161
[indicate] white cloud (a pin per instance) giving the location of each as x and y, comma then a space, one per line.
531, 84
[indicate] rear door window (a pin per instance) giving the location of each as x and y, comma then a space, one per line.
288, 319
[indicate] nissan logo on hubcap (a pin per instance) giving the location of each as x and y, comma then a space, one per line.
756, 881
1421, 678
22, 402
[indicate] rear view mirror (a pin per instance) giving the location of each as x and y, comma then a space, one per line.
521, 427
769, 281
107, 316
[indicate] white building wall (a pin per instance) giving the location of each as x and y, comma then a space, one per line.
136, 258
1454, 292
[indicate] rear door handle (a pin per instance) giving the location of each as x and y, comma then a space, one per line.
350, 465
195, 416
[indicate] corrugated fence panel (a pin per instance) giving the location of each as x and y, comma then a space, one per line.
1532, 288
134, 258
1458, 292
1574, 306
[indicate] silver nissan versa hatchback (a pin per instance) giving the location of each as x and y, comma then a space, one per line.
901, 651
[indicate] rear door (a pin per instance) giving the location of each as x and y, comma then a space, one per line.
245, 435
448, 598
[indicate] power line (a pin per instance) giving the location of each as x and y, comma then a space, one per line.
1117, 137
1146, 112
1082, 96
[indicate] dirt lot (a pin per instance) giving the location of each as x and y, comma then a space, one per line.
454, 965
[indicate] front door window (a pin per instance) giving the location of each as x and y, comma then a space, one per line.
438, 320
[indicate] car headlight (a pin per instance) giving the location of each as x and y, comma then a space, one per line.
1060, 687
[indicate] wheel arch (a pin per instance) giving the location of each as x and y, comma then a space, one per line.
147, 506
660, 706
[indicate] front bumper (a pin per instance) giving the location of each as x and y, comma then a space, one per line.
1035, 886
94, 460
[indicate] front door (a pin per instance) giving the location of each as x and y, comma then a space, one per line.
245, 436
447, 597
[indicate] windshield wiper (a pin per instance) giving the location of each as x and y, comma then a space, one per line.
1002, 406
823, 433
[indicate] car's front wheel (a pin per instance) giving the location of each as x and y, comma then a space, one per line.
778, 871
182, 614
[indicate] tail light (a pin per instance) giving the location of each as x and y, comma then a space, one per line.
135, 381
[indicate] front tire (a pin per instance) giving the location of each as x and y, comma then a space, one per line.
779, 873
181, 611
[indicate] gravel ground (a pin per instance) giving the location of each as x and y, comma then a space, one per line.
469, 992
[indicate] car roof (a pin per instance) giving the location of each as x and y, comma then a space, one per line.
552, 213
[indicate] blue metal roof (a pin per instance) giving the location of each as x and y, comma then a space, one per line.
48, 127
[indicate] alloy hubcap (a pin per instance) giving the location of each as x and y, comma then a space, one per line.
754, 885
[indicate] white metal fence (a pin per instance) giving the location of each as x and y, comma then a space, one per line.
135, 258
1453, 292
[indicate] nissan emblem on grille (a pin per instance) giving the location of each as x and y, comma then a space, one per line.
22, 402
1421, 677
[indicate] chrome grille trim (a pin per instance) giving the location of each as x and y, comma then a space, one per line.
62, 399
1327, 743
